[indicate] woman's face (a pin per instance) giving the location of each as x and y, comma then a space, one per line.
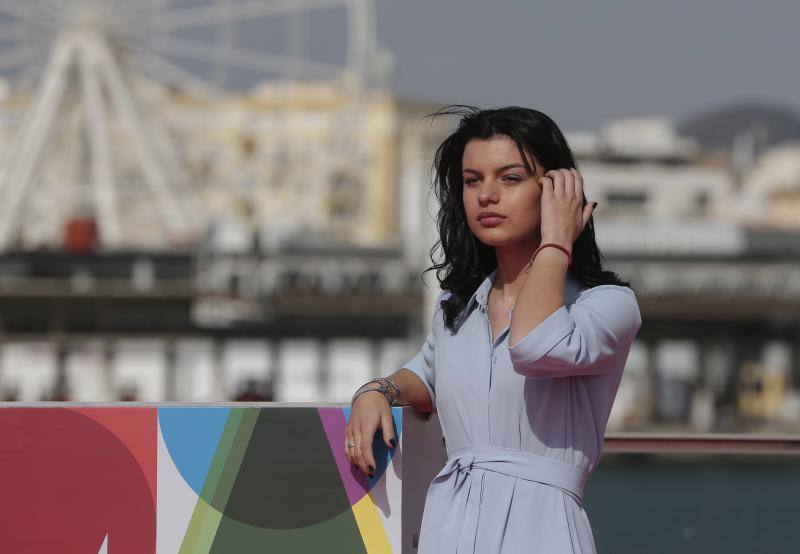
495, 180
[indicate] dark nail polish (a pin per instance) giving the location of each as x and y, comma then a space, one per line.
372, 476
595, 204
371, 469
391, 441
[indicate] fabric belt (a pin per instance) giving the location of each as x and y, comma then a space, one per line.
514, 463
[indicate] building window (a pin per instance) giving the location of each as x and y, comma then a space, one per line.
626, 203
345, 198
700, 204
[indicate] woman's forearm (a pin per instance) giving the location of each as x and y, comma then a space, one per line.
542, 293
412, 390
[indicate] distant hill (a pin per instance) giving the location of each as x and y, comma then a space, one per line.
717, 129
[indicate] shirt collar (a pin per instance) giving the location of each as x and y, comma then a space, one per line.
571, 287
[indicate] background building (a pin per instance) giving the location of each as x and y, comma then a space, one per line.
167, 237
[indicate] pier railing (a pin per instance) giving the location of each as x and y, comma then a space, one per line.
705, 443
659, 493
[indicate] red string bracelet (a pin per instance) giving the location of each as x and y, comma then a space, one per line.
554, 245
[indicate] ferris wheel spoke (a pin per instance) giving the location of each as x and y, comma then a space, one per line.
226, 39
241, 57
182, 18
102, 172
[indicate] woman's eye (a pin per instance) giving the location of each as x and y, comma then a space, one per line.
470, 181
512, 178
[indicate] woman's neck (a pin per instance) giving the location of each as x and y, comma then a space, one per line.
511, 261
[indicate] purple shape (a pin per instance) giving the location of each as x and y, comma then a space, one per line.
355, 483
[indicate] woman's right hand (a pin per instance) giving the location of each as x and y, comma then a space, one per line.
369, 411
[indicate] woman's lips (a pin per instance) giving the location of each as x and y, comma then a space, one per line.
491, 221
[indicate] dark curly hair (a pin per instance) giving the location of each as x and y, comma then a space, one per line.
468, 261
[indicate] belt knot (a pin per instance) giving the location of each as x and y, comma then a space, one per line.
463, 468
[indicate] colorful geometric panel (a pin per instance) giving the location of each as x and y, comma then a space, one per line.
193, 479
192, 435
276, 480
70, 483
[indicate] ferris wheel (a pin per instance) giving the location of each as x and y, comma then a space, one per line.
92, 54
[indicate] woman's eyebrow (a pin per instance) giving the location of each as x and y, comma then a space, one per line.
511, 166
499, 169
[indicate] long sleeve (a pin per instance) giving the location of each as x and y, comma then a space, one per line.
586, 337
423, 364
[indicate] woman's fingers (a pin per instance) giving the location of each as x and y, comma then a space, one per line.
588, 210
387, 429
361, 456
547, 187
566, 182
357, 453
578, 184
569, 183
366, 452
557, 178
562, 193
349, 451
367, 415
363, 450
352, 453
362, 435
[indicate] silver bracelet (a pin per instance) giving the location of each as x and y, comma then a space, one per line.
360, 392
386, 387
388, 382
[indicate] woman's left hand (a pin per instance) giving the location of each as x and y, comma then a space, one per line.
563, 214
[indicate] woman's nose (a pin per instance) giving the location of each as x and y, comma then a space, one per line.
487, 193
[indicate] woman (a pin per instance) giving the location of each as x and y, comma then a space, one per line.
528, 343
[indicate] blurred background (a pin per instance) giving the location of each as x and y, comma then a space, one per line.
228, 199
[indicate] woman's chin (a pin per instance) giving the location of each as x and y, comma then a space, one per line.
498, 238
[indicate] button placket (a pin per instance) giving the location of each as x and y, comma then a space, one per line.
492, 357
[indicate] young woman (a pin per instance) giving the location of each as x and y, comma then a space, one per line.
528, 343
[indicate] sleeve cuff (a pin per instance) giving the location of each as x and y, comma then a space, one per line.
417, 365
543, 338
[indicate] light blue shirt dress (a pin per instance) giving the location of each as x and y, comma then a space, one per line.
523, 426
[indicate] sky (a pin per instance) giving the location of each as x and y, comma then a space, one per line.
584, 63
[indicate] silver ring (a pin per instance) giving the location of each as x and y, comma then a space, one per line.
350, 445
